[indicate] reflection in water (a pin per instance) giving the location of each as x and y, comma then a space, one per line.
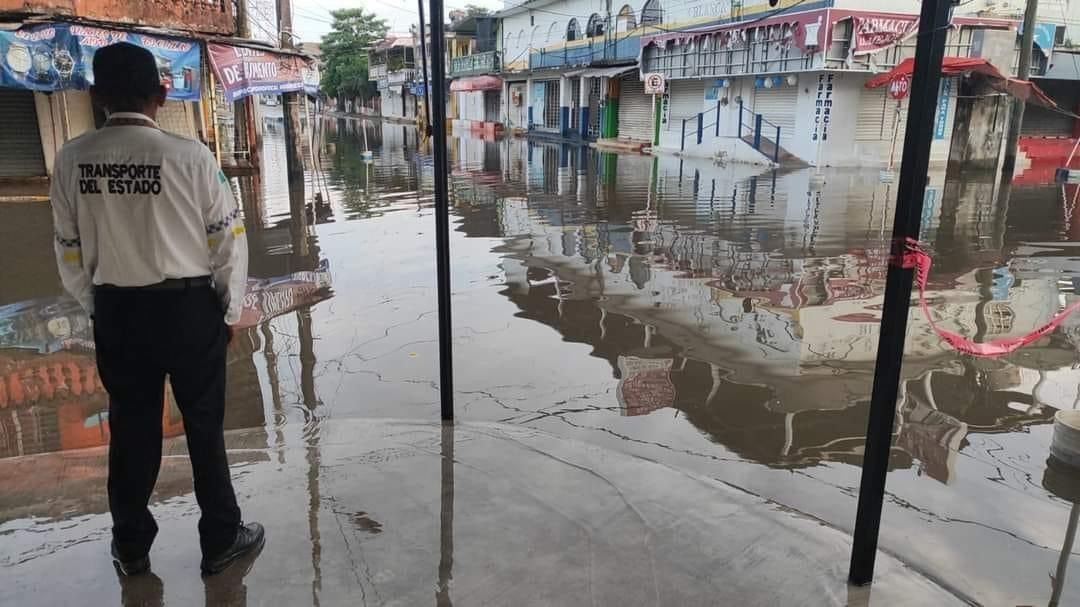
742, 307
145, 590
446, 518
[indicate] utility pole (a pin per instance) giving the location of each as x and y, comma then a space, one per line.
437, 95
1023, 72
290, 102
241, 116
911, 191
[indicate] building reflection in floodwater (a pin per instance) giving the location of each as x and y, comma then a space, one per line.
740, 304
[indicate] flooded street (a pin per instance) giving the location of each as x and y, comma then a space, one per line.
719, 320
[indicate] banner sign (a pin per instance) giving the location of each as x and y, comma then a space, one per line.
875, 33
246, 71
60, 56
941, 116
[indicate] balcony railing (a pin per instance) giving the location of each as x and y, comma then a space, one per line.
401, 76
377, 72
595, 50
477, 63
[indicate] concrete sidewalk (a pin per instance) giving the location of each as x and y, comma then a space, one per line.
399, 513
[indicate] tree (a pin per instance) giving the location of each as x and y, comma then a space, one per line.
472, 10
344, 52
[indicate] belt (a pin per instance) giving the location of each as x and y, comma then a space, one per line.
169, 284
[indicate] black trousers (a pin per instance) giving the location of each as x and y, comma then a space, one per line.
143, 335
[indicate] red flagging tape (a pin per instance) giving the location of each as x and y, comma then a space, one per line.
914, 257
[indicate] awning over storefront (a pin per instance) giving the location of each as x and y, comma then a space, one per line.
959, 66
476, 83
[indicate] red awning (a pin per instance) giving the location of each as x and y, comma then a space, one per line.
476, 83
958, 66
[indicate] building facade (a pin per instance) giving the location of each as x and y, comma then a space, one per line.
758, 82
474, 66
392, 66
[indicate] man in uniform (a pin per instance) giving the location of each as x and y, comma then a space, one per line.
150, 241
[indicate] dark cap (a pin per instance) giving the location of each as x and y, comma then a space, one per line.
125, 72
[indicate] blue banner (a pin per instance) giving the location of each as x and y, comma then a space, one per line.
59, 56
942, 115
1043, 36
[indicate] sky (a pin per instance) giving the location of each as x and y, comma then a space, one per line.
311, 18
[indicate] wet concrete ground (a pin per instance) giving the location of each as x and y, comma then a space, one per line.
719, 321
376, 513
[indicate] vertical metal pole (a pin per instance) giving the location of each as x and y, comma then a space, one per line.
757, 131
717, 119
1063, 560
446, 519
740, 118
682, 143
423, 62
929, 50
776, 147
442, 209
700, 122
1016, 118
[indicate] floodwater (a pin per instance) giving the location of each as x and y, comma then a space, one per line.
720, 320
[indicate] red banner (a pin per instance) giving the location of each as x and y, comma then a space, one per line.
246, 71
875, 33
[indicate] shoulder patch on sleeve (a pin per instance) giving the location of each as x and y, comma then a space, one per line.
221, 176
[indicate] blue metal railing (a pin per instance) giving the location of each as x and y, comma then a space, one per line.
757, 127
699, 121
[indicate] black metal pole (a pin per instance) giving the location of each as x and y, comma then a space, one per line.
423, 66
925, 81
442, 209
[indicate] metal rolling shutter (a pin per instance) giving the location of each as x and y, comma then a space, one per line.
1041, 122
20, 137
687, 100
777, 105
877, 117
870, 121
635, 111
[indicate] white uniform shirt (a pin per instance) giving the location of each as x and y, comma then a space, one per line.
134, 205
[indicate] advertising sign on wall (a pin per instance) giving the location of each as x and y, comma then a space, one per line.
244, 71
873, 33
59, 56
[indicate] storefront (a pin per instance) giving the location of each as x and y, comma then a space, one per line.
544, 106
44, 104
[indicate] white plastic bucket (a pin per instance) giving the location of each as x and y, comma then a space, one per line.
1065, 446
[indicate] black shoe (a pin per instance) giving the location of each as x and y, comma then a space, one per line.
249, 539
131, 567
